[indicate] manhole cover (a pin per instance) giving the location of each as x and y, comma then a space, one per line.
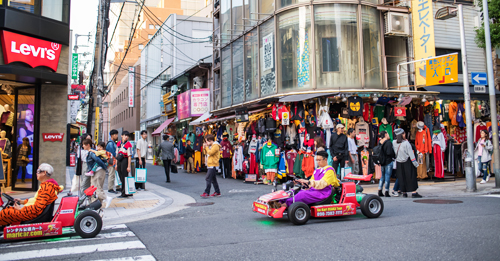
199, 204
438, 201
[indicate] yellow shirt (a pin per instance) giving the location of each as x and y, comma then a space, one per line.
330, 178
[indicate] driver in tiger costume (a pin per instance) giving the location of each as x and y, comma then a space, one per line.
33, 207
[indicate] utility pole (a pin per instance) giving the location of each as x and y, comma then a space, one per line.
491, 89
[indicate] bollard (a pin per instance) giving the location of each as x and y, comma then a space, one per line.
470, 176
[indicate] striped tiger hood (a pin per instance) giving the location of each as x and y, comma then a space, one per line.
53, 182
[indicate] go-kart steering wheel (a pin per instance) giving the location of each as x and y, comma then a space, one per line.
10, 200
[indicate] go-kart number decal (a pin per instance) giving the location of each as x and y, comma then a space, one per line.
261, 208
66, 211
350, 194
331, 211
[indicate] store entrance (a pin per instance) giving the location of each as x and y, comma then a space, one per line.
17, 124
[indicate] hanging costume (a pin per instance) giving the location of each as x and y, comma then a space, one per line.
438, 147
269, 160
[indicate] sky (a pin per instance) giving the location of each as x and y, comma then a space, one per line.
83, 18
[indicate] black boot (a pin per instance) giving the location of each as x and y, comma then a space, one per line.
387, 194
405, 195
380, 194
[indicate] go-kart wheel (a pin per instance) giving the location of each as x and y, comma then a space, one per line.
299, 213
372, 206
88, 224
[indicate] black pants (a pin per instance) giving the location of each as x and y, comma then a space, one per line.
143, 166
340, 162
211, 178
15, 173
166, 165
121, 167
226, 167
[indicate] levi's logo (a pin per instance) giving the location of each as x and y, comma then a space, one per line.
53, 137
29, 50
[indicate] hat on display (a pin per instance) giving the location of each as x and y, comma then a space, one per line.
384, 121
399, 131
436, 129
340, 126
420, 125
225, 134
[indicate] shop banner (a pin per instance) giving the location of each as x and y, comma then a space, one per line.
423, 37
400, 111
183, 105
31, 51
32, 230
78, 87
200, 101
442, 70
131, 86
74, 66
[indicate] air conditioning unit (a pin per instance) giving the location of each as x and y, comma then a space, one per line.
397, 24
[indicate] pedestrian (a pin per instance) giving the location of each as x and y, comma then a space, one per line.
140, 156
124, 159
484, 149
211, 148
23, 151
167, 155
227, 150
84, 180
406, 165
353, 151
188, 155
96, 180
111, 148
339, 148
386, 163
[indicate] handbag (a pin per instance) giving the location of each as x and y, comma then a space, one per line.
118, 181
130, 185
119, 156
173, 168
140, 175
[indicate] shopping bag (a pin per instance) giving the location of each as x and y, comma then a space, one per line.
347, 171
118, 181
141, 175
129, 185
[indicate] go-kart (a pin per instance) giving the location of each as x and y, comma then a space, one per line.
73, 215
343, 201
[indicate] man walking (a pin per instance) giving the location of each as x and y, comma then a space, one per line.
339, 148
167, 154
140, 160
353, 151
212, 149
111, 148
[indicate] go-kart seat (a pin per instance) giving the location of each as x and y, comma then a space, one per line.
327, 200
46, 215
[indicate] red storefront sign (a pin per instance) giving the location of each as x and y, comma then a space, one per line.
29, 50
78, 87
52, 137
73, 97
72, 159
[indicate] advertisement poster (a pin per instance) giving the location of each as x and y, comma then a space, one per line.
200, 101
183, 105
25, 129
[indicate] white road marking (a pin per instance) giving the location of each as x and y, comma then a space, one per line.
70, 239
493, 196
114, 227
73, 250
135, 258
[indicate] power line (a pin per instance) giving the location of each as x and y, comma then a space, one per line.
114, 30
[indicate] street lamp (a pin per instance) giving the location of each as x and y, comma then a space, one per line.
443, 14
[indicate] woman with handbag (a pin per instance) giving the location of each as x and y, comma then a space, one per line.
23, 151
406, 164
123, 160
484, 148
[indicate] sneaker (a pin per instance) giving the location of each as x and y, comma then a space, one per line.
215, 194
488, 177
89, 174
482, 182
108, 201
416, 195
112, 191
395, 194
205, 195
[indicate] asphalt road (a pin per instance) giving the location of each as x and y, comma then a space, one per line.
229, 230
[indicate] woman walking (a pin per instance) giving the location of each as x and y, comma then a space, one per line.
406, 165
484, 148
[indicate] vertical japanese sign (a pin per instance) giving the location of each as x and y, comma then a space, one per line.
74, 66
442, 70
131, 86
268, 59
423, 37
200, 101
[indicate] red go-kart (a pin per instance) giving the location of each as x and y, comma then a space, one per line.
73, 214
344, 201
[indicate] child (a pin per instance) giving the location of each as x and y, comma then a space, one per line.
101, 153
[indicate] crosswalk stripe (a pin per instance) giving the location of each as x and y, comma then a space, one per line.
114, 227
135, 258
69, 239
73, 250
493, 196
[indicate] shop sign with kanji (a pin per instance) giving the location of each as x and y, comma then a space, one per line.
442, 70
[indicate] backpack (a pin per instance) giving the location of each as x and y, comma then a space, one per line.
261, 125
378, 155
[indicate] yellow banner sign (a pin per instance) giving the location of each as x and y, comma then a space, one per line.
423, 37
96, 133
442, 70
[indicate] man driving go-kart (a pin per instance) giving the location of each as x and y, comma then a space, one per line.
320, 184
33, 207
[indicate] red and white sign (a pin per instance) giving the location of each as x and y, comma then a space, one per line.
73, 97
52, 137
29, 50
399, 111
131, 86
78, 87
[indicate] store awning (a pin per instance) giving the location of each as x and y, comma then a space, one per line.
456, 92
303, 97
202, 118
158, 131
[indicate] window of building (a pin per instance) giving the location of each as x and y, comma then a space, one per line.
225, 20
442, 51
53, 9
266, 8
226, 76
157, 27
250, 11
371, 47
237, 73
141, 46
294, 49
267, 62
251, 65
150, 36
151, 26
237, 17
284, 3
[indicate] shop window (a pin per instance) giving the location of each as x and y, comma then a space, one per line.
336, 40
266, 8
225, 20
442, 51
226, 77
284, 3
294, 48
251, 65
30, 6
370, 18
25, 130
237, 18
267, 63
238, 81
56, 9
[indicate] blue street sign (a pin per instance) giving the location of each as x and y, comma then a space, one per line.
479, 78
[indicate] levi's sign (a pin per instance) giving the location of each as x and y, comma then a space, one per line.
73, 97
53, 137
29, 50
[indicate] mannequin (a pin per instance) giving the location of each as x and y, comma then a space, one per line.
7, 121
5, 145
386, 127
438, 146
423, 144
